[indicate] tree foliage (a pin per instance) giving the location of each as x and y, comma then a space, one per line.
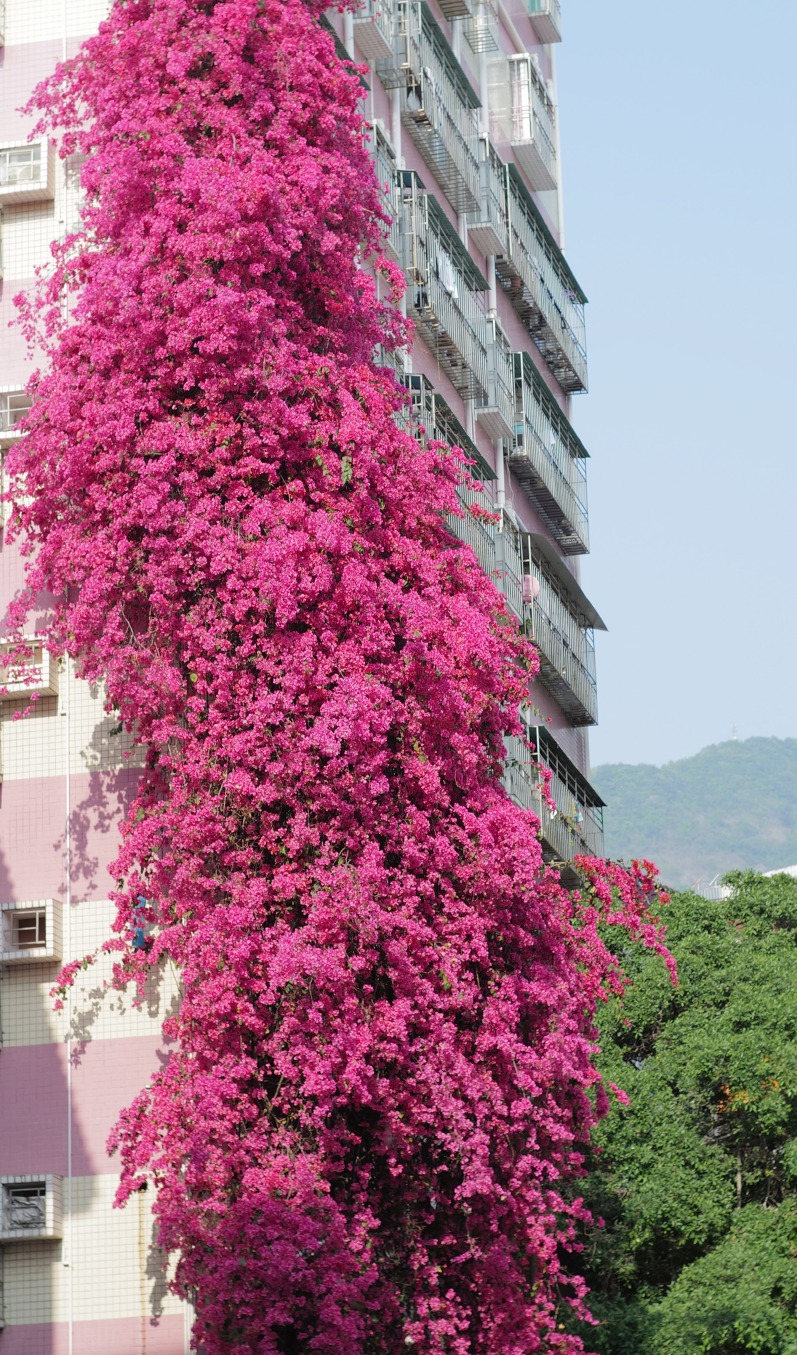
382, 1070
697, 1178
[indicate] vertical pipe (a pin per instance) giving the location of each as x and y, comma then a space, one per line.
348, 32
492, 294
500, 488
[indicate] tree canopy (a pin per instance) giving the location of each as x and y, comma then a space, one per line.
696, 1178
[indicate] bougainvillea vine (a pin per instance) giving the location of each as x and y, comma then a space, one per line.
381, 1078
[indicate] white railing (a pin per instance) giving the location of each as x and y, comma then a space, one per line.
488, 226
447, 312
567, 645
576, 828
546, 17
386, 173
438, 111
474, 531
375, 28
509, 565
541, 444
532, 133
496, 408
519, 777
540, 289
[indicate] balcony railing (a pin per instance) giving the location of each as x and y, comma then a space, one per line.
375, 29
481, 28
444, 290
561, 626
546, 19
576, 828
14, 405
542, 289
531, 123
495, 410
509, 565
387, 175
439, 107
549, 460
488, 226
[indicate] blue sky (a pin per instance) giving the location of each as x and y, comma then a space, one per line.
678, 127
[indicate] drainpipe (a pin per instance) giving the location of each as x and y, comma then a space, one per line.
500, 489
348, 32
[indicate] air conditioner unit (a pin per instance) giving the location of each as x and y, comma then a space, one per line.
30, 1208
31, 931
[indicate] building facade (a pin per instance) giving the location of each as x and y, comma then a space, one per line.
461, 99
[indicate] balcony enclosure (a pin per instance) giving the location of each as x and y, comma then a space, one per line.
525, 112
488, 226
549, 460
387, 176
562, 622
439, 107
542, 289
14, 405
430, 412
26, 172
375, 29
444, 290
509, 564
576, 828
495, 410
546, 19
480, 28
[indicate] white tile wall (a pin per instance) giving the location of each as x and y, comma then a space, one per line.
40, 20
35, 745
111, 1271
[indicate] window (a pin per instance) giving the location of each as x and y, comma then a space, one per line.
29, 929
20, 164
30, 1207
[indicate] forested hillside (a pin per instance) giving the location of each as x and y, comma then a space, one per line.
731, 807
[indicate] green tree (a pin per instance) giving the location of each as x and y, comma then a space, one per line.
696, 1178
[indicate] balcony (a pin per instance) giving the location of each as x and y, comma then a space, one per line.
375, 29
31, 932
439, 107
481, 27
14, 405
508, 578
26, 172
543, 290
495, 410
36, 675
488, 226
575, 828
549, 460
444, 290
546, 19
387, 176
526, 110
562, 622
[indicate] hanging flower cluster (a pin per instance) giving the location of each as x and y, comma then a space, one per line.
381, 1081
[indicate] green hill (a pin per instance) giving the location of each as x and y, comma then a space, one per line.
732, 806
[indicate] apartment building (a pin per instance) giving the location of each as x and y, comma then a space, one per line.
461, 98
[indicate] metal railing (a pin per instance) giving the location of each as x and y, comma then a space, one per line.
474, 531
387, 175
495, 410
375, 28
488, 226
444, 291
567, 650
576, 829
546, 17
509, 565
439, 107
543, 292
532, 123
519, 777
549, 460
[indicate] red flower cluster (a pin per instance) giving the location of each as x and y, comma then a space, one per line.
382, 1072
